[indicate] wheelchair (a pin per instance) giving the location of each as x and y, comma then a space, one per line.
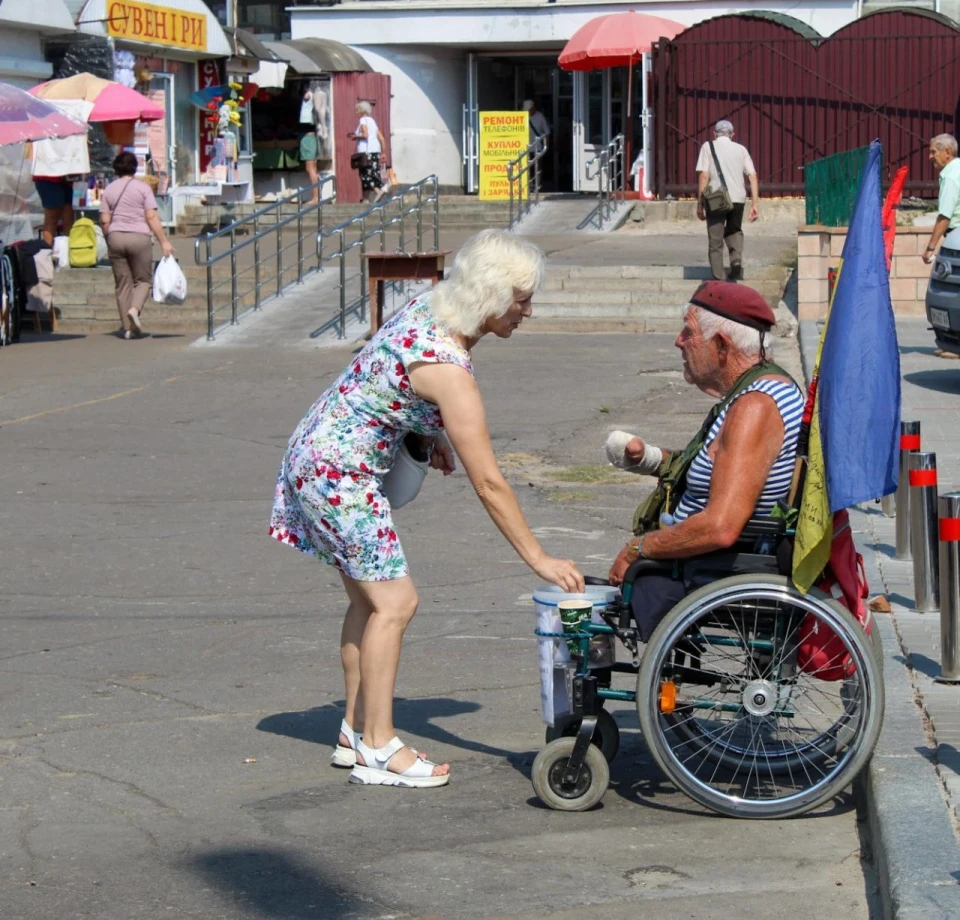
729, 711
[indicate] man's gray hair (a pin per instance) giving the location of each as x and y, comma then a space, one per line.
945, 142
745, 339
365, 107
724, 127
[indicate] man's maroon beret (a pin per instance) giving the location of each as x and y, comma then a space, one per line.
735, 301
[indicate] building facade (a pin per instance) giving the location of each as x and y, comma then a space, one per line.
450, 59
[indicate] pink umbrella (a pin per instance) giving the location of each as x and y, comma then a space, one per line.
111, 101
617, 40
24, 118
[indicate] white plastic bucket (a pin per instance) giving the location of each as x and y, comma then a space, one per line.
555, 662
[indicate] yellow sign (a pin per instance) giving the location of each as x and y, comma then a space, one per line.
503, 137
157, 25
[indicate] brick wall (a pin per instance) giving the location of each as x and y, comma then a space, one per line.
819, 248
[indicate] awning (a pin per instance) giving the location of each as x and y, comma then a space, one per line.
177, 28
37, 15
312, 56
248, 53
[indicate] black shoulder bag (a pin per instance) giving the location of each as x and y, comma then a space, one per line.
719, 201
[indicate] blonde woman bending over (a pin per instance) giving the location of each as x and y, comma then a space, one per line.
414, 376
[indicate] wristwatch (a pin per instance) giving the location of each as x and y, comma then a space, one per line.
636, 548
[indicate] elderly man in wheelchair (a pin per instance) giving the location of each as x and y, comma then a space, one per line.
755, 699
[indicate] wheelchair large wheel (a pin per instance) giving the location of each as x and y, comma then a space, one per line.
732, 720
547, 777
606, 736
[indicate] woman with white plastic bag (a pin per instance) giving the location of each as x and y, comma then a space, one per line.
128, 215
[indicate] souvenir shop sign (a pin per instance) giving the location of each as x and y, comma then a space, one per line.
503, 137
157, 25
208, 74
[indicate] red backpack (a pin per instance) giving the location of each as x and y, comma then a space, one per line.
822, 654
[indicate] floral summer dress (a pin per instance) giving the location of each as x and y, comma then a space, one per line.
329, 501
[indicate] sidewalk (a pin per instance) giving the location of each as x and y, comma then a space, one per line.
913, 784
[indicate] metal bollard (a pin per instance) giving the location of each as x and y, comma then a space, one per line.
949, 513
909, 441
923, 530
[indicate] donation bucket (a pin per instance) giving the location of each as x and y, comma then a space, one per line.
556, 665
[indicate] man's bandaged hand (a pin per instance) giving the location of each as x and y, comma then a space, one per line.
628, 452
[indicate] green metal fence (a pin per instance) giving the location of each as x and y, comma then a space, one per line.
830, 186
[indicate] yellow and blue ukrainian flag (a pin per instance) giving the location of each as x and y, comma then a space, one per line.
855, 427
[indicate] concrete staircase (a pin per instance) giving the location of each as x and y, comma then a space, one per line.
85, 302
641, 298
457, 213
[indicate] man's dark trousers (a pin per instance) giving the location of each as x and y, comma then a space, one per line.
726, 228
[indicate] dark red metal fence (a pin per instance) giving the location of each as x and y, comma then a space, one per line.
794, 97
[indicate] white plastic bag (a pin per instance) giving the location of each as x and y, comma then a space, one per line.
169, 283
61, 251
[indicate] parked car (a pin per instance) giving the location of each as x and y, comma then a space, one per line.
943, 299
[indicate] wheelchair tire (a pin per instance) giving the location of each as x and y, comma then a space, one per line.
547, 777
606, 735
745, 733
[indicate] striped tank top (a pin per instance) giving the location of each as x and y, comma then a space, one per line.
789, 400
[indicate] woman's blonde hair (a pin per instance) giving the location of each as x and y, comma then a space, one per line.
489, 269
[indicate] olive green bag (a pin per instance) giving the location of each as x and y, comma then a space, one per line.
672, 475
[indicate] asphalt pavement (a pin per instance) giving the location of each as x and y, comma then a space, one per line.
170, 677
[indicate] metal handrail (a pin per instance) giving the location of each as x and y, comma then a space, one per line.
526, 165
608, 168
326, 190
391, 211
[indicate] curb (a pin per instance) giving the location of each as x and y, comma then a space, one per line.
910, 831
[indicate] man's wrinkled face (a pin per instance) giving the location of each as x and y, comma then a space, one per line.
939, 156
699, 354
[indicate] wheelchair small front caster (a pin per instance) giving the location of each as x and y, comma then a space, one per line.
606, 736
548, 780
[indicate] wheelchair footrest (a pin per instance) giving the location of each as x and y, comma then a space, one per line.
585, 701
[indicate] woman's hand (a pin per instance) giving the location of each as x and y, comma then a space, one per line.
562, 572
167, 247
443, 457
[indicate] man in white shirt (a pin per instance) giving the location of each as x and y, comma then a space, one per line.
726, 226
539, 126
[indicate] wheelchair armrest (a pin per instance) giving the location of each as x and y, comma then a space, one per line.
772, 527
648, 567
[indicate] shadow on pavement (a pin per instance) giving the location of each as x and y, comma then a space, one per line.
321, 725
919, 662
269, 883
945, 381
39, 338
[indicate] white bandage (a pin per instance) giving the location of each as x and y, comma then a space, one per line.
616, 447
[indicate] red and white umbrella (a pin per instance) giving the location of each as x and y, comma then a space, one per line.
24, 118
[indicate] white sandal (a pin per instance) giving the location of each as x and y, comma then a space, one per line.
345, 755
418, 775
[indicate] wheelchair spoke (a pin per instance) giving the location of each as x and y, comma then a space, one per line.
752, 729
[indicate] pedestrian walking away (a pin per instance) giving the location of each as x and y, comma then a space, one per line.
128, 215
415, 376
722, 166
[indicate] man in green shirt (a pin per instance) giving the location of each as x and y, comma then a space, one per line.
943, 155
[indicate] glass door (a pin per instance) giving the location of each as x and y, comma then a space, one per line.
470, 131
591, 126
154, 147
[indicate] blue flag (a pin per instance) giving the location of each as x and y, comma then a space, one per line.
859, 395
